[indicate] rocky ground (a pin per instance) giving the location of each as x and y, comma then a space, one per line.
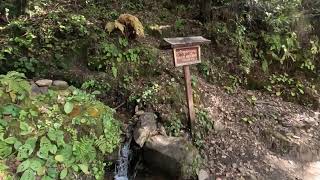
260, 137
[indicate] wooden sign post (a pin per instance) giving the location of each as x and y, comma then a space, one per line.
186, 51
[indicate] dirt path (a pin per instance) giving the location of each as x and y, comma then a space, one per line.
282, 142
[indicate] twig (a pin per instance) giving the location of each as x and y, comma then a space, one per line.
120, 105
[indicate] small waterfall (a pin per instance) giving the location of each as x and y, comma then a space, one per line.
122, 169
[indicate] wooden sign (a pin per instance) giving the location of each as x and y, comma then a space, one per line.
186, 56
186, 51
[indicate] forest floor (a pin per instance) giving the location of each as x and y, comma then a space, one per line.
263, 138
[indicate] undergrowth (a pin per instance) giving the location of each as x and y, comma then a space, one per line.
58, 135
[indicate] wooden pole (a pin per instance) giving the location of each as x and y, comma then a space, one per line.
192, 115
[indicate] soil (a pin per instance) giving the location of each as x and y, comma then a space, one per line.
282, 140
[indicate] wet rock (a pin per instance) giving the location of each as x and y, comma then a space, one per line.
203, 175
44, 82
171, 155
145, 127
60, 84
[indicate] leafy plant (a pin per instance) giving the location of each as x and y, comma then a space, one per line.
146, 95
179, 24
282, 84
203, 127
54, 139
15, 85
174, 126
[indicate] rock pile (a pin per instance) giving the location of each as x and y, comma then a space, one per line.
41, 86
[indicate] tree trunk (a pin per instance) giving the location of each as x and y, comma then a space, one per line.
205, 10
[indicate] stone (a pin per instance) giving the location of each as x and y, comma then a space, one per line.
174, 156
218, 126
162, 130
139, 113
43, 90
60, 84
146, 126
203, 175
44, 82
36, 90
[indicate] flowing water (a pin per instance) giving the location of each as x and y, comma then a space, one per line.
130, 163
122, 168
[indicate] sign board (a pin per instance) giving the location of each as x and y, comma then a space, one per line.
186, 56
186, 51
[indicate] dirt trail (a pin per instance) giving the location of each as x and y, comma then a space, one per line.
282, 142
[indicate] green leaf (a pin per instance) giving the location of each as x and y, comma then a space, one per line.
84, 168
11, 140
63, 173
301, 91
35, 164
46, 178
114, 71
57, 136
41, 171
11, 110
32, 141
68, 107
24, 151
265, 65
28, 175
66, 152
59, 158
25, 128
53, 149
45, 146
278, 93
4, 123
5, 150
23, 166
52, 172
75, 168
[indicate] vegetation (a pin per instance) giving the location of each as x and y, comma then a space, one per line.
61, 134
110, 50
271, 39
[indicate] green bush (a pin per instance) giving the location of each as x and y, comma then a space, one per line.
61, 134
267, 38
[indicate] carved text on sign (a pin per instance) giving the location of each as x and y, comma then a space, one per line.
186, 55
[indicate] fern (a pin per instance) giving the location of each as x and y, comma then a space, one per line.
84, 150
16, 85
103, 145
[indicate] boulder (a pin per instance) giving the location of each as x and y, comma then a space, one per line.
60, 84
44, 82
146, 126
173, 156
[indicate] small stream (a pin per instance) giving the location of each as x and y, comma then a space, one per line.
122, 168
130, 165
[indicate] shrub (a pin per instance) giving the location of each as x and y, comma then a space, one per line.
61, 134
